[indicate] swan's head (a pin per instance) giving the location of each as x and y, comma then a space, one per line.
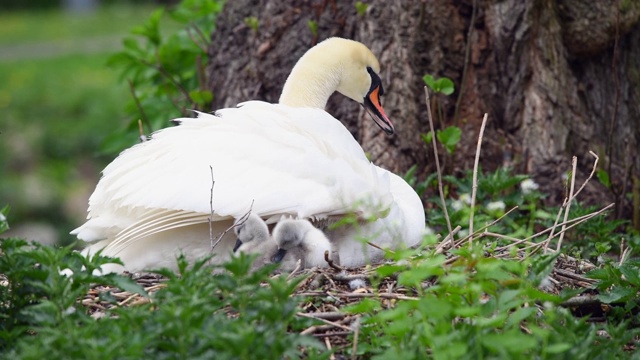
342, 65
249, 229
288, 234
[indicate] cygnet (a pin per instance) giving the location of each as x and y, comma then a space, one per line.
300, 240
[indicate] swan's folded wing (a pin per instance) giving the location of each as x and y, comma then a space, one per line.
271, 158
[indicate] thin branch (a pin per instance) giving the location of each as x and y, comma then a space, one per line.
239, 222
330, 261
474, 187
574, 166
310, 316
354, 347
195, 41
139, 106
435, 152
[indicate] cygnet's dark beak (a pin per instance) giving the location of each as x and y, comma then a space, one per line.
237, 245
372, 104
279, 255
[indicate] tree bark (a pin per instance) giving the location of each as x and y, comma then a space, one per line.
557, 77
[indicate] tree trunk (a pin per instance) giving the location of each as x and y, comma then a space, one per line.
557, 77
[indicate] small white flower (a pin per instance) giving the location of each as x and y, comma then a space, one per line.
2, 217
528, 185
457, 205
465, 198
496, 206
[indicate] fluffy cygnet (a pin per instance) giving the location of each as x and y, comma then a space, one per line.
300, 240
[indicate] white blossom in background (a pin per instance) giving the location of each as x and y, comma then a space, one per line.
2, 217
463, 199
496, 206
527, 186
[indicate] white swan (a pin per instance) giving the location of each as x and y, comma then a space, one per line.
292, 158
299, 240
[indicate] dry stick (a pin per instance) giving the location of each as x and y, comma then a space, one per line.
464, 239
574, 166
139, 105
448, 238
330, 261
310, 316
354, 348
435, 153
239, 222
474, 188
295, 270
143, 137
593, 171
380, 248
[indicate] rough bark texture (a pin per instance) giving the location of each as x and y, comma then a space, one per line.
557, 77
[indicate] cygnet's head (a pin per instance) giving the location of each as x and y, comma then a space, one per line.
300, 240
250, 231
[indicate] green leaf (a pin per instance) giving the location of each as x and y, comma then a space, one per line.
201, 97
443, 85
618, 294
427, 137
450, 137
631, 274
603, 176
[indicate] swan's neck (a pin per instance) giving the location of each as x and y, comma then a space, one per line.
312, 80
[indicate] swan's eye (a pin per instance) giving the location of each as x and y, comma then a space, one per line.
375, 81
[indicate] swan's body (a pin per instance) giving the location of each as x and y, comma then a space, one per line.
299, 240
292, 158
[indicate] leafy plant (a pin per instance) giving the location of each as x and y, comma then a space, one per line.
165, 73
442, 85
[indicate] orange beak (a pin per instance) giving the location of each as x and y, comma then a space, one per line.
374, 108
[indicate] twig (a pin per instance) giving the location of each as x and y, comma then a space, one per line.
139, 105
474, 188
143, 137
327, 343
330, 261
295, 270
574, 165
380, 248
239, 222
198, 44
356, 329
437, 161
310, 316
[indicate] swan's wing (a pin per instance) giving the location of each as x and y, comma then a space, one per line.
283, 160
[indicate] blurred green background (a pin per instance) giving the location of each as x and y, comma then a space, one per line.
58, 102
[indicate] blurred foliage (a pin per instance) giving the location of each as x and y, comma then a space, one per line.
165, 74
59, 100
202, 312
